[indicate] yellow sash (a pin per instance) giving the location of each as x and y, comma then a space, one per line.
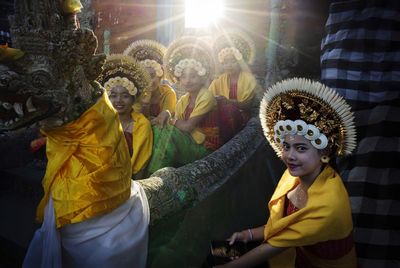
245, 88
205, 102
167, 99
142, 142
88, 171
327, 216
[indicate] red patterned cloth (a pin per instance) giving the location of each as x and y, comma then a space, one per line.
233, 92
208, 126
129, 141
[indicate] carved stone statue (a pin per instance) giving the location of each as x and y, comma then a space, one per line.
54, 83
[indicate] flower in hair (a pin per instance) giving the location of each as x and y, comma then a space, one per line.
154, 65
189, 63
229, 51
299, 106
120, 81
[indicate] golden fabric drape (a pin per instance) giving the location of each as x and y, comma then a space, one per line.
167, 99
327, 216
88, 171
245, 87
205, 102
142, 142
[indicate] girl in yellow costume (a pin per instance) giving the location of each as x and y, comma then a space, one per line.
158, 97
124, 79
235, 88
310, 222
193, 132
93, 214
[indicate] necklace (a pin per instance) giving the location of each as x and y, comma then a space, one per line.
127, 127
298, 196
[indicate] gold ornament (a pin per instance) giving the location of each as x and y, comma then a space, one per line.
325, 159
190, 50
315, 104
229, 42
123, 69
146, 49
149, 53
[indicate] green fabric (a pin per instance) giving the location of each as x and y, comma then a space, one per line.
174, 148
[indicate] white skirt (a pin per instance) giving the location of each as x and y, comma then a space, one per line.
116, 239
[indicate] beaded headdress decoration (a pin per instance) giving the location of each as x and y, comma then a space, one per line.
188, 52
301, 107
149, 53
235, 43
125, 71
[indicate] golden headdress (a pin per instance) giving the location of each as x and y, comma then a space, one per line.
236, 43
301, 107
146, 49
149, 53
125, 71
188, 52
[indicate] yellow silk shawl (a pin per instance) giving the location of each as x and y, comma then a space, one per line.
88, 171
167, 99
245, 88
205, 102
327, 216
142, 142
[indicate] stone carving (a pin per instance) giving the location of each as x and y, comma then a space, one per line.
54, 79
54, 83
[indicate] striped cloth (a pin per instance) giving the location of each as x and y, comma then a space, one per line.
361, 59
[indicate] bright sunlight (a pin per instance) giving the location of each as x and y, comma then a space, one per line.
201, 13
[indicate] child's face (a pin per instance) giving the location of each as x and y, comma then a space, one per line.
190, 81
155, 80
121, 99
300, 157
230, 64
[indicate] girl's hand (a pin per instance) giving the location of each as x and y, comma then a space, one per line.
237, 236
154, 121
222, 99
162, 119
244, 236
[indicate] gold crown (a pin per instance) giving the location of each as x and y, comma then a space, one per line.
188, 47
236, 39
118, 65
146, 49
314, 103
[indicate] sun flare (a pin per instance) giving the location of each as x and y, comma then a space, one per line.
201, 13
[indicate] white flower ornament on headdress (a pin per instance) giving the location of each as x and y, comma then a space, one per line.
229, 51
120, 81
154, 65
323, 117
189, 63
299, 127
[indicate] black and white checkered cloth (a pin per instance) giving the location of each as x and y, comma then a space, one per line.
361, 59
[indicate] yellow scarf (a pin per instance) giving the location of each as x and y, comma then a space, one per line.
327, 216
167, 99
205, 102
88, 171
142, 142
245, 87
